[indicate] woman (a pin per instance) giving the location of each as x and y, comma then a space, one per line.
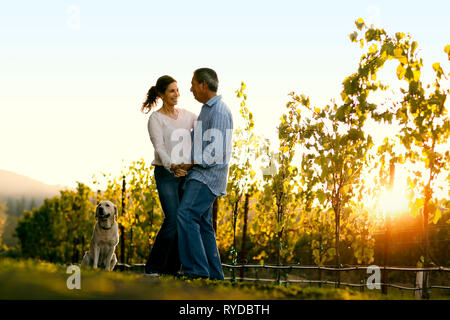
164, 127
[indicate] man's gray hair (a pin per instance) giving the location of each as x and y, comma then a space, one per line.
209, 76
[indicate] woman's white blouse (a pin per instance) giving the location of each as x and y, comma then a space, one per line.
171, 138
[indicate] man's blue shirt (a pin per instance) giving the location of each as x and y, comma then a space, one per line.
211, 146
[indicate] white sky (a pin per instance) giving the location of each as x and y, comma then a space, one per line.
73, 74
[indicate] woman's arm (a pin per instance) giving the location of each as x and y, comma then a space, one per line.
155, 131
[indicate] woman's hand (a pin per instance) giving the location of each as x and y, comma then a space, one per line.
178, 170
179, 173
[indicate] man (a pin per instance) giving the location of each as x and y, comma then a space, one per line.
206, 180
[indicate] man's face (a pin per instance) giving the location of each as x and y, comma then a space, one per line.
197, 89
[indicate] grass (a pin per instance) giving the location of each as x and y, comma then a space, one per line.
32, 279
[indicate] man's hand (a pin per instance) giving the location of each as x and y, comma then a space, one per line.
179, 173
180, 170
186, 166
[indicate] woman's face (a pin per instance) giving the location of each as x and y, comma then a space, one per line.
170, 97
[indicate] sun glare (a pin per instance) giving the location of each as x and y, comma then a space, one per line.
392, 202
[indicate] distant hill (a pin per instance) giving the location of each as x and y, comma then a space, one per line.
19, 193
13, 185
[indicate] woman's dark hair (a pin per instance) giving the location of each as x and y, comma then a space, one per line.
152, 94
209, 76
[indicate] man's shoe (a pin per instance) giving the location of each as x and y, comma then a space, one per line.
152, 274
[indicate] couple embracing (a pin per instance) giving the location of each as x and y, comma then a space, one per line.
190, 174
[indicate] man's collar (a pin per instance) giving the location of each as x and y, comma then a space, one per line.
213, 100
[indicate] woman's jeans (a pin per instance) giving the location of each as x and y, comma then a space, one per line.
164, 257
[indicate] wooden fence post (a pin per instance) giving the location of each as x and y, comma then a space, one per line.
426, 262
384, 277
337, 245
319, 271
244, 236
121, 227
362, 280
384, 288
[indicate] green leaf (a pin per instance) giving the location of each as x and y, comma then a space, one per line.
321, 196
398, 54
353, 36
437, 67
437, 215
409, 74
416, 75
413, 46
340, 114
447, 50
390, 50
400, 72
359, 23
399, 35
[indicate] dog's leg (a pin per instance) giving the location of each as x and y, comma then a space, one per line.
85, 261
96, 256
113, 261
108, 258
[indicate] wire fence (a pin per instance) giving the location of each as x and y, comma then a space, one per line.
362, 284
283, 275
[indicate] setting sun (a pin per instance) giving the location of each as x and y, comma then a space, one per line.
393, 201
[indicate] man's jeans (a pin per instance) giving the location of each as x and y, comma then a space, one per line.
164, 257
196, 237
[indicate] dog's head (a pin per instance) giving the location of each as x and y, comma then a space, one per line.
106, 214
